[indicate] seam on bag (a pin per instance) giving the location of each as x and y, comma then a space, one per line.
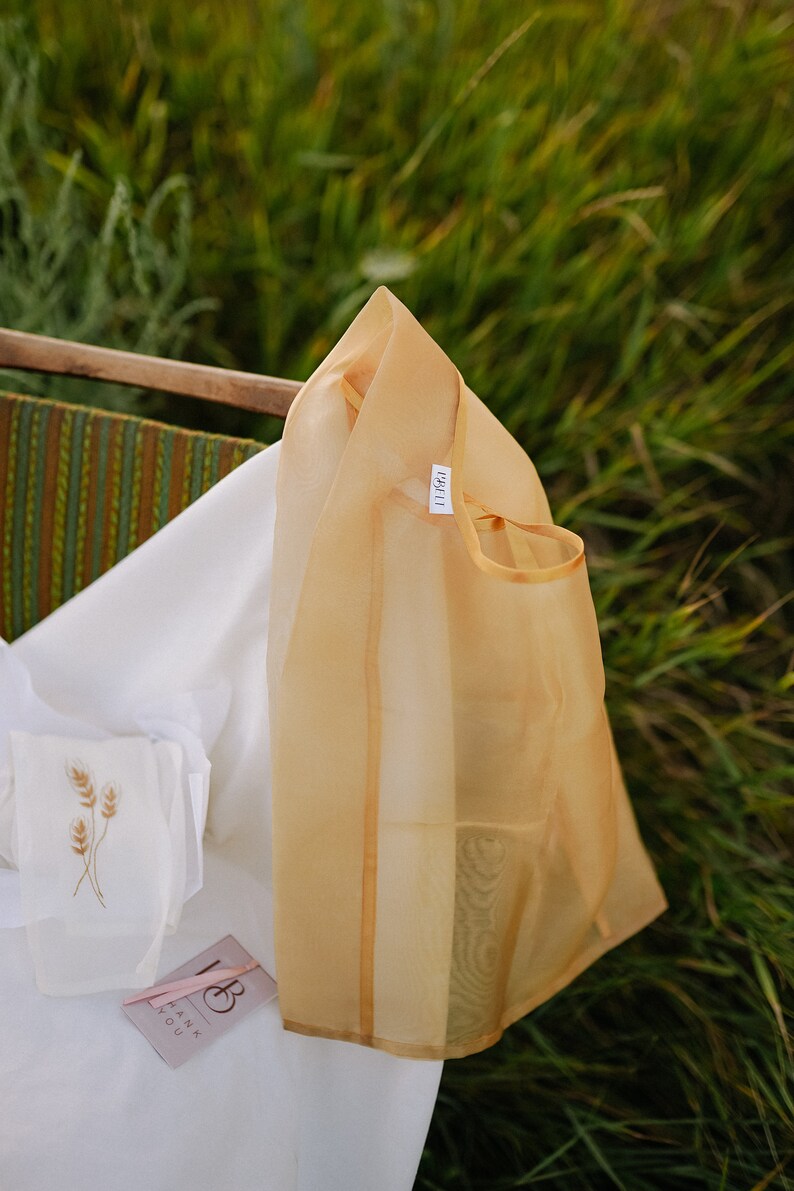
369, 888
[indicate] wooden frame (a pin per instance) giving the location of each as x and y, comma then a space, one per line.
242, 390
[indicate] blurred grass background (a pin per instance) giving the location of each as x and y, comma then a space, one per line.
590, 207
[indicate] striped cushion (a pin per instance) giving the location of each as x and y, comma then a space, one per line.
80, 488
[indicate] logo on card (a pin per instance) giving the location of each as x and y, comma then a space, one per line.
222, 997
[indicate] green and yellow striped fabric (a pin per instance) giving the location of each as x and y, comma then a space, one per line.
80, 488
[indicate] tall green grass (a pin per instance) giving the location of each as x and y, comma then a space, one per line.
589, 206
117, 276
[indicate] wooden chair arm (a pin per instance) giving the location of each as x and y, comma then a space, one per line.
243, 390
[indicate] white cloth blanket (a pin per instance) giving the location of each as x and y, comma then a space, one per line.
86, 1101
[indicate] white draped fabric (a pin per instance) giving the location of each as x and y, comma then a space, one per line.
87, 1103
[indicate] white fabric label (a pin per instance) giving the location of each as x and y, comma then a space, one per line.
440, 500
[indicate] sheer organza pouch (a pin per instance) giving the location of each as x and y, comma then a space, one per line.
101, 830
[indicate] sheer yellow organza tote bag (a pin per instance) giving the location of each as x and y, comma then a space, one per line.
453, 841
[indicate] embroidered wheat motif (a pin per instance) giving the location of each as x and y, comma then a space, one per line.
82, 781
82, 831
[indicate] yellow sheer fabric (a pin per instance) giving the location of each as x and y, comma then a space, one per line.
453, 841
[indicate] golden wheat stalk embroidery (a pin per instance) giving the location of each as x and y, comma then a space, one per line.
82, 832
108, 805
